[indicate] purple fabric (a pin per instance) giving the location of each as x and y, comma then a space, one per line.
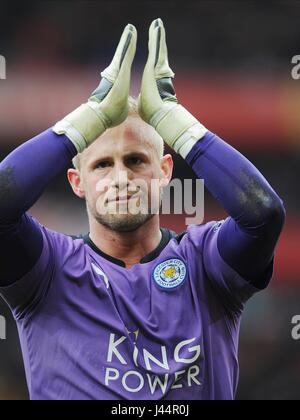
257, 213
29, 169
24, 175
78, 327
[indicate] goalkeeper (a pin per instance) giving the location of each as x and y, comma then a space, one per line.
132, 310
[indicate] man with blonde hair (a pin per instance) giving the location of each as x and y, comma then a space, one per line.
132, 310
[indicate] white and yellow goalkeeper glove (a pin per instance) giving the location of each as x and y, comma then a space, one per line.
158, 104
108, 104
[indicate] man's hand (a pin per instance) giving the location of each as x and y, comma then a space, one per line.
108, 104
158, 103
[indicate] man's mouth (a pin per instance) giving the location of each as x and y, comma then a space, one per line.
122, 199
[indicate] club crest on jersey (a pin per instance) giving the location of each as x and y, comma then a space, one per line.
170, 274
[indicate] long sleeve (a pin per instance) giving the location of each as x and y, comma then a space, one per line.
24, 175
247, 239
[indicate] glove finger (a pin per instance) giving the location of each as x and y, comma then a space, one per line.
125, 47
120, 88
162, 68
123, 57
158, 61
152, 43
115, 103
128, 51
149, 98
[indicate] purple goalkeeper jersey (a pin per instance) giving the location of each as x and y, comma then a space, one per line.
167, 328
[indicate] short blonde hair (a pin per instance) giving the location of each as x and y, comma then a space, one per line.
157, 142
133, 106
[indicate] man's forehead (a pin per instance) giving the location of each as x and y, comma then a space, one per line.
130, 137
116, 148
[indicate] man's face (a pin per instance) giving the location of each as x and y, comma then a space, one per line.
121, 176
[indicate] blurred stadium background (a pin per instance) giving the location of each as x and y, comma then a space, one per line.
233, 66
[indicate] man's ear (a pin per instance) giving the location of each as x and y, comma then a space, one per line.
167, 165
75, 182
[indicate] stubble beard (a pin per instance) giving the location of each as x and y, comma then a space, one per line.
121, 222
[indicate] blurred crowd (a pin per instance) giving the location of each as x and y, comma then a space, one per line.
233, 71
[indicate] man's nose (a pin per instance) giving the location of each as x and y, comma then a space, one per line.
121, 176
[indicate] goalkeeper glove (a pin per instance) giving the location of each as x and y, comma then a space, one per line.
108, 104
158, 104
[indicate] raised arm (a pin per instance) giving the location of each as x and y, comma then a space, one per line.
28, 170
24, 175
247, 239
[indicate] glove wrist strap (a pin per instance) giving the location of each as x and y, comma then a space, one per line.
83, 126
178, 127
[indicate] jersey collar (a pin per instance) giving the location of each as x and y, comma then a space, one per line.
167, 235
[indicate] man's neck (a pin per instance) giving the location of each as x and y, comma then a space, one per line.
129, 247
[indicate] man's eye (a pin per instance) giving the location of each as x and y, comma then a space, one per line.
103, 165
135, 161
